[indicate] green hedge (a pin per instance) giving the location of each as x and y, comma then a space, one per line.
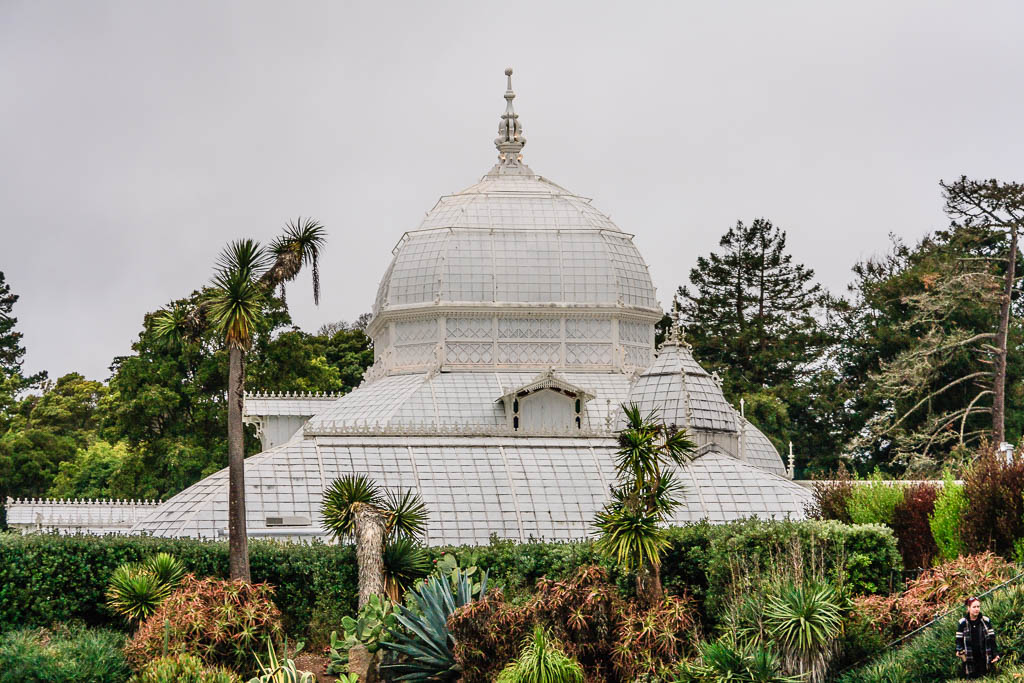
47, 578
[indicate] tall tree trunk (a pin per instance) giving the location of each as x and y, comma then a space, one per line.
999, 381
238, 541
648, 584
369, 523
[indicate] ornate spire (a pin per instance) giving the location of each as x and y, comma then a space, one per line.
510, 140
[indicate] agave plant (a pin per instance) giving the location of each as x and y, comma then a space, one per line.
135, 592
424, 649
805, 619
405, 563
281, 671
541, 662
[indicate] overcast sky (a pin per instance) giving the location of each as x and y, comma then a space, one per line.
137, 138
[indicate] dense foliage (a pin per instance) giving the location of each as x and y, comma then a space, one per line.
62, 655
221, 622
47, 578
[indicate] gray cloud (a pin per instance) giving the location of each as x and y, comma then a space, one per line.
138, 138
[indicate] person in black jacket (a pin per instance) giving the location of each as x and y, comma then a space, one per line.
976, 641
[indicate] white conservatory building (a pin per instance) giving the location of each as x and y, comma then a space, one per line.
510, 326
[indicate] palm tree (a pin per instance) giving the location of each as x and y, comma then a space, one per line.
247, 275
630, 526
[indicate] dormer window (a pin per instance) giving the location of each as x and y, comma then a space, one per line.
547, 405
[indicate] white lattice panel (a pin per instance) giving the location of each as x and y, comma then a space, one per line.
635, 333
588, 328
466, 352
415, 354
638, 356
468, 328
588, 354
529, 328
415, 331
537, 353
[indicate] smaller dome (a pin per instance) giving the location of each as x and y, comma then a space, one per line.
682, 393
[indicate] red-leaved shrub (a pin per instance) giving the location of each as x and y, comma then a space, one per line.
592, 624
934, 592
221, 622
912, 528
831, 496
995, 502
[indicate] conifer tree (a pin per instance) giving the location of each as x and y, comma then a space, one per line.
12, 353
750, 311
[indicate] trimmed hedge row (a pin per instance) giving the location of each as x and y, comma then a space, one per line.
47, 578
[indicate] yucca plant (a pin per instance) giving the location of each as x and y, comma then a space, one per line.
135, 592
388, 558
541, 661
727, 660
166, 568
405, 563
630, 526
423, 648
804, 620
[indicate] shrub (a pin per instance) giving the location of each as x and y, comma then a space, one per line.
875, 501
910, 523
221, 622
74, 654
48, 577
183, 668
946, 519
541, 662
831, 496
368, 628
927, 657
589, 620
934, 592
648, 641
992, 517
727, 660
582, 613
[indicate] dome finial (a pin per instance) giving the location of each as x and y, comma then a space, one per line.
510, 140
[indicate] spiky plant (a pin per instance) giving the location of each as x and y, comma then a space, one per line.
805, 619
424, 645
541, 662
727, 660
630, 527
407, 514
405, 563
341, 495
135, 592
166, 568
245, 276
404, 517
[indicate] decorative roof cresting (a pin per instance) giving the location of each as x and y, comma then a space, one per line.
510, 140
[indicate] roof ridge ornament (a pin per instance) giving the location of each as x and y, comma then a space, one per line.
510, 140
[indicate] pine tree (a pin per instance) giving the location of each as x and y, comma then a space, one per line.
12, 353
750, 312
